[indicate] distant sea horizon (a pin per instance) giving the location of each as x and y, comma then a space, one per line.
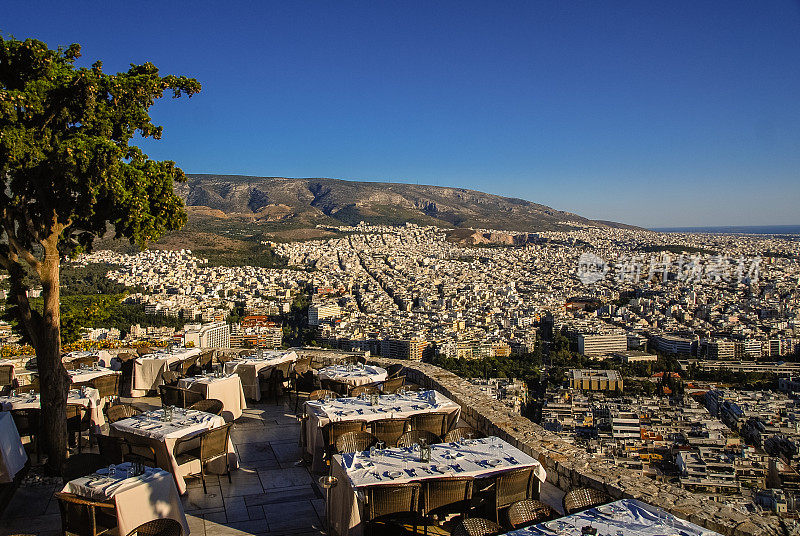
735, 229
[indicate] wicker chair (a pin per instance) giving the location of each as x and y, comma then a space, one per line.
85, 517
579, 499
144, 350
413, 436
393, 371
7, 381
389, 430
170, 378
340, 388
302, 381
393, 385
78, 421
277, 381
434, 423
170, 396
460, 433
159, 527
28, 388
28, 423
117, 449
107, 385
117, 412
319, 394
209, 405
369, 389
213, 444
205, 360
444, 496
333, 430
89, 361
82, 465
513, 486
355, 442
389, 502
475, 526
529, 512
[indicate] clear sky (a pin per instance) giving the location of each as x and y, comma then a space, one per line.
652, 113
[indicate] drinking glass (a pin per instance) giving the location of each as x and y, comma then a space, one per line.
372, 451
380, 447
112, 471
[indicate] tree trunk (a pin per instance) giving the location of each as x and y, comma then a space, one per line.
53, 378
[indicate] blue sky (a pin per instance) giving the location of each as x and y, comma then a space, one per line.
655, 114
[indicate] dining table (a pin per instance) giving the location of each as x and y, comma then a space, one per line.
150, 428
12, 453
478, 458
352, 375
250, 367
619, 518
86, 374
391, 406
226, 388
137, 498
87, 397
147, 369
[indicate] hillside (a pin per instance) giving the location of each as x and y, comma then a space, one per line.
284, 206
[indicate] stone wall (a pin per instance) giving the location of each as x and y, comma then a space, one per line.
569, 466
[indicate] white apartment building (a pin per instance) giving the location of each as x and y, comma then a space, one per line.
213, 335
321, 311
601, 344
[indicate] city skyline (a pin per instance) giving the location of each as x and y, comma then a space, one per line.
648, 115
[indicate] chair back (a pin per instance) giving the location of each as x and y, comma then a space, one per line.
461, 432
333, 430
475, 526
303, 362
432, 422
340, 388
580, 499
210, 405
89, 361
80, 465
391, 499
205, 359
513, 486
369, 388
170, 377
214, 442
29, 388
107, 385
117, 412
27, 421
393, 385
170, 396
6, 375
393, 371
112, 448
529, 512
389, 430
159, 527
186, 364
190, 398
319, 394
79, 515
447, 491
413, 436
355, 442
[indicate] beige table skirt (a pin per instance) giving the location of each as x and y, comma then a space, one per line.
227, 390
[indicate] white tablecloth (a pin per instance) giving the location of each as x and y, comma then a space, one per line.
388, 407
89, 399
227, 389
147, 369
137, 499
87, 374
12, 454
481, 458
627, 516
354, 377
249, 368
163, 435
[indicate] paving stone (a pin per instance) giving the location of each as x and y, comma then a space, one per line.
285, 478
303, 517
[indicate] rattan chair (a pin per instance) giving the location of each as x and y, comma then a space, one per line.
28, 423
158, 527
117, 412
461, 432
434, 423
79, 421
107, 386
7, 381
28, 388
333, 430
81, 465
205, 360
390, 502
302, 381
355, 442
393, 385
320, 394
579, 499
89, 361
513, 486
117, 449
529, 512
369, 389
445, 496
393, 371
170, 395
413, 436
277, 382
475, 526
213, 444
209, 405
389, 430
170, 378
85, 517
340, 388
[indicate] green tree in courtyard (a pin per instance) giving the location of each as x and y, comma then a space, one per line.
68, 171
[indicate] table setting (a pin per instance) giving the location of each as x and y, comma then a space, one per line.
88, 397
248, 368
227, 388
140, 494
161, 428
619, 518
370, 408
85, 373
147, 369
353, 375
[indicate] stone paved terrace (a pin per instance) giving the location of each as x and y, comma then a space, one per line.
269, 494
